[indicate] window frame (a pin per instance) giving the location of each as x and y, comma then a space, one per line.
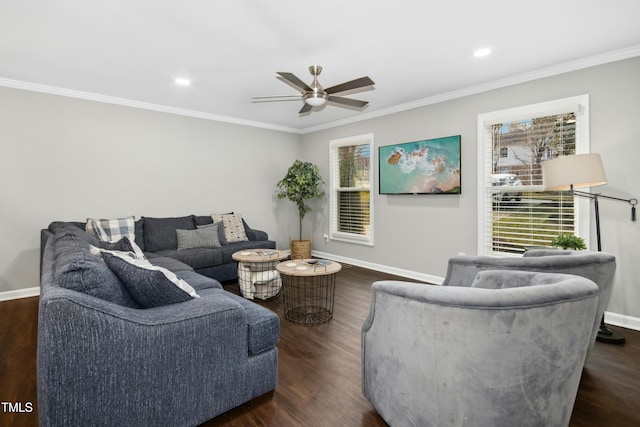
334, 186
577, 104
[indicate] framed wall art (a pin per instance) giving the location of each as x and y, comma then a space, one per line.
422, 167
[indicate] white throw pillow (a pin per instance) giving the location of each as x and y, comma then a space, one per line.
233, 226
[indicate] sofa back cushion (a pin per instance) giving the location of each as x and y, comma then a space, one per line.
160, 233
140, 233
76, 268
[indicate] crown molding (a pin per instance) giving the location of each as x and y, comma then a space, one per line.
613, 56
89, 96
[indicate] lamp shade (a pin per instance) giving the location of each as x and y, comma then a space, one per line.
580, 170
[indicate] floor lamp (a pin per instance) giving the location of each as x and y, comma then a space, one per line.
578, 171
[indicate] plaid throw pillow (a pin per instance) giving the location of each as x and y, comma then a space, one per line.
112, 230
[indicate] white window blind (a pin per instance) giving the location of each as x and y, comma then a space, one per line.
517, 213
351, 183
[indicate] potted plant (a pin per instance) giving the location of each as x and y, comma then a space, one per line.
301, 183
568, 241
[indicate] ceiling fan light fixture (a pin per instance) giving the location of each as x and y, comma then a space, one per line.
315, 99
314, 95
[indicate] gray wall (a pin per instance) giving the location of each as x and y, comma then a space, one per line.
65, 158
68, 159
419, 233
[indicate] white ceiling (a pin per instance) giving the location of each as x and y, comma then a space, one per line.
132, 50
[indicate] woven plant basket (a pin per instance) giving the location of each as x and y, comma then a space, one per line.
300, 249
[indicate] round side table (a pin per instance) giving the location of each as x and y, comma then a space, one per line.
308, 290
257, 274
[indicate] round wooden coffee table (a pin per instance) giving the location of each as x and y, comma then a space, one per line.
257, 274
308, 290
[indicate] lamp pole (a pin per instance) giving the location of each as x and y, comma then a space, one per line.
605, 334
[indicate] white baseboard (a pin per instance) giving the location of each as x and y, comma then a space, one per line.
622, 320
614, 319
20, 293
436, 280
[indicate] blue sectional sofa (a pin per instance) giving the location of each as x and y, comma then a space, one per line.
157, 238
105, 359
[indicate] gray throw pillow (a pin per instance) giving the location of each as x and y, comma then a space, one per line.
199, 238
160, 233
149, 285
220, 227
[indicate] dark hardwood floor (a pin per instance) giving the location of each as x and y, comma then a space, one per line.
319, 369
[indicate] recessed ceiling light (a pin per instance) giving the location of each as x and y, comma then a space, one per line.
182, 81
482, 52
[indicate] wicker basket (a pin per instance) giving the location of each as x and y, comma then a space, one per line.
300, 249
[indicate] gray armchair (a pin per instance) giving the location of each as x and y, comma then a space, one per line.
599, 267
506, 348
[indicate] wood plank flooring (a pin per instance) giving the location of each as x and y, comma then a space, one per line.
319, 369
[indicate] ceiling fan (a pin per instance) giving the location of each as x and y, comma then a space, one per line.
315, 95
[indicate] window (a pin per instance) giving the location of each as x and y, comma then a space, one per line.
514, 211
351, 182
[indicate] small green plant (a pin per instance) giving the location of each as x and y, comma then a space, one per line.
302, 182
568, 241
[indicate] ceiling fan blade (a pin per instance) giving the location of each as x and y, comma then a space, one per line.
291, 78
347, 101
276, 98
305, 109
353, 84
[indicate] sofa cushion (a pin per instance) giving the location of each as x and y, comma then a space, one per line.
76, 229
233, 226
196, 257
227, 251
149, 285
206, 237
77, 269
160, 233
168, 263
264, 325
200, 282
140, 233
58, 226
203, 220
112, 230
